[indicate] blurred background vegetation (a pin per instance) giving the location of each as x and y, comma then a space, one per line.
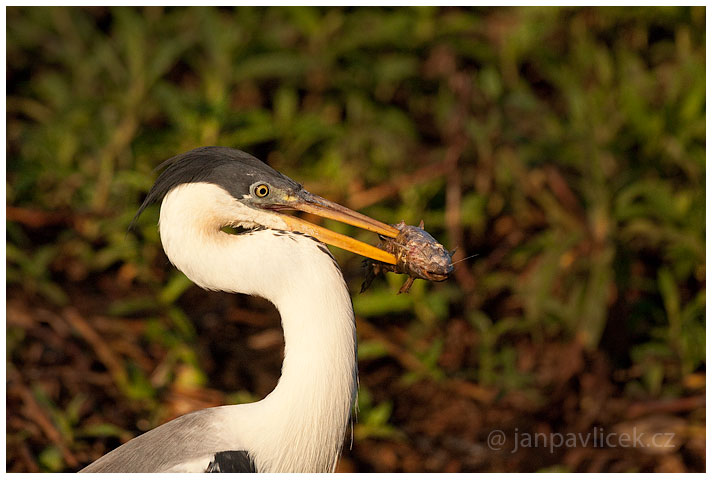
563, 146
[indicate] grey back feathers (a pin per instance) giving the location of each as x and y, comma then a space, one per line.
186, 439
231, 169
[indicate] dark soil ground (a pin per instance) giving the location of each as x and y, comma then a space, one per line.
69, 362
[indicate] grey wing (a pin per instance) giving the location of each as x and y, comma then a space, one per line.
186, 444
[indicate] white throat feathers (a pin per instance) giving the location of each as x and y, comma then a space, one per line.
300, 426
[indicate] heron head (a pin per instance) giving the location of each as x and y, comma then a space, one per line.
267, 194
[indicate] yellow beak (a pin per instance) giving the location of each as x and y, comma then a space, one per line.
316, 205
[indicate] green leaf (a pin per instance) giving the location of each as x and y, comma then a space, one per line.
175, 287
371, 349
51, 459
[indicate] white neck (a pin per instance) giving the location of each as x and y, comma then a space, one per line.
300, 425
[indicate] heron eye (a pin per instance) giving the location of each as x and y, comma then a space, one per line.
262, 190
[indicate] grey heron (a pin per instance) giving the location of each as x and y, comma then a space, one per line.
300, 426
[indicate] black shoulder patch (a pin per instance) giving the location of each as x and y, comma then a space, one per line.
231, 461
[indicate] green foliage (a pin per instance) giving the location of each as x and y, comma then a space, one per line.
51, 459
373, 418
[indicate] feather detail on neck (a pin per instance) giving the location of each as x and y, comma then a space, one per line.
300, 425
